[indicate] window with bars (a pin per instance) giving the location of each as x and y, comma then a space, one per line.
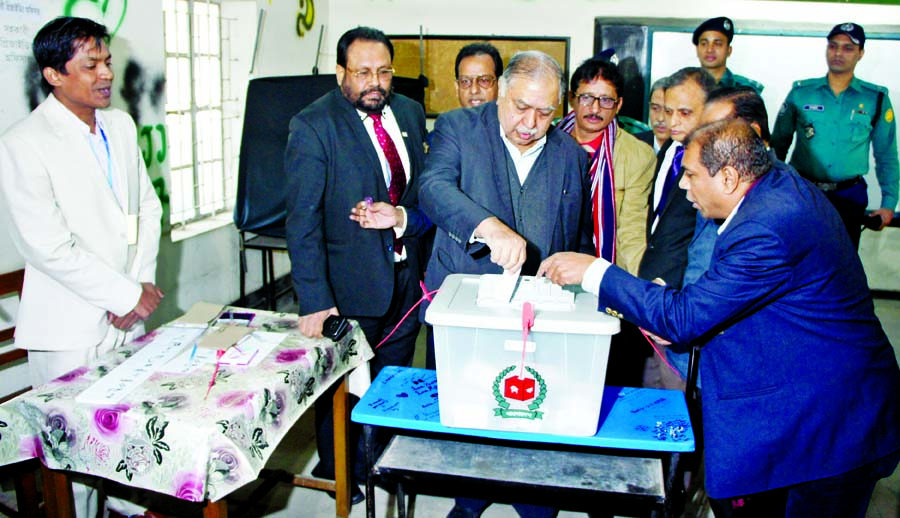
202, 160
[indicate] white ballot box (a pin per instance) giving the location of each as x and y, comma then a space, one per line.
486, 381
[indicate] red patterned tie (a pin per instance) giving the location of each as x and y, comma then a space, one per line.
398, 174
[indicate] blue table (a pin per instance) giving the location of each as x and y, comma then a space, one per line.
631, 419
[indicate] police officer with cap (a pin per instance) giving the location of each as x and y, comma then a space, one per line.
836, 118
712, 39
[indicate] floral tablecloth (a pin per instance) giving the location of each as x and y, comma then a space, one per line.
164, 436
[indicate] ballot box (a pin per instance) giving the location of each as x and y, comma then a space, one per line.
491, 377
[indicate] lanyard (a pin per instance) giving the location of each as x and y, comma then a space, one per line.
109, 176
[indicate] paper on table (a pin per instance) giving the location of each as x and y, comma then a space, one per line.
165, 345
252, 349
223, 337
200, 315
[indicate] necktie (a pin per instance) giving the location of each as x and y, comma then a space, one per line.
398, 174
669, 184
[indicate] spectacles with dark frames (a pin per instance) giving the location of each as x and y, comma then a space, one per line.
365, 75
588, 100
485, 81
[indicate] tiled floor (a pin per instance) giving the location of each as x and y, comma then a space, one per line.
297, 454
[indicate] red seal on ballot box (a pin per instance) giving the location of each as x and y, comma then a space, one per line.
520, 389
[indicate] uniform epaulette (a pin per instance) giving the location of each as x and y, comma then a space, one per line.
872, 86
743, 80
807, 82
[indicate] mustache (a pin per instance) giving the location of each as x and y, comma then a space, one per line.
378, 89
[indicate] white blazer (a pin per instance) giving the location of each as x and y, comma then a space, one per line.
71, 230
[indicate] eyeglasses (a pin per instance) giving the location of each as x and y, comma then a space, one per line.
587, 100
484, 81
365, 75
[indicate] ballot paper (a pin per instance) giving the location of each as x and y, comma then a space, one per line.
167, 342
542, 293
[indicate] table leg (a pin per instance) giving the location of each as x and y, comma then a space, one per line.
674, 491
340, 403
217, 509
58, 500
27, 499
369, 442
402, 507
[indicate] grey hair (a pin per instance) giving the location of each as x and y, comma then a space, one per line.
660, 84
533, 64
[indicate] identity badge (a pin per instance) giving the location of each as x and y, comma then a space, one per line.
131, 224
813, 108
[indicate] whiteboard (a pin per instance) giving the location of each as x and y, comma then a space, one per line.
778, 61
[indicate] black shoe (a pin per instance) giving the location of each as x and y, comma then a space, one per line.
459, 511
356, 496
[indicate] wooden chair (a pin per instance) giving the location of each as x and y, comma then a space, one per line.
23, 473
11, 283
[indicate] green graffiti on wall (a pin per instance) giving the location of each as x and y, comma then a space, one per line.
145, 140
104, 7
306, 16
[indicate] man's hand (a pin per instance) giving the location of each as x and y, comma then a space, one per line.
311, 325
566, 267
507, 247
149, 301
886, 216
124, 322
378, 215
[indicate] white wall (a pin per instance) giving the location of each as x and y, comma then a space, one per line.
285, 50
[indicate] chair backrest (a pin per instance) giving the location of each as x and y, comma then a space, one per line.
11, 283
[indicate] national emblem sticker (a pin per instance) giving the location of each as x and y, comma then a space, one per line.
519, 397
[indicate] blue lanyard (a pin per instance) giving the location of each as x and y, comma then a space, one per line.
109, 177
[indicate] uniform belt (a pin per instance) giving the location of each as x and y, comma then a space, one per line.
399, 266
838, 186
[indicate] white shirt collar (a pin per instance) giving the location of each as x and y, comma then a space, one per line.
725, 223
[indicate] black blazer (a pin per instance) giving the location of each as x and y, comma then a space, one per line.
667, 246
331, 165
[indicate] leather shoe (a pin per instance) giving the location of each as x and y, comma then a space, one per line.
356, 496
459, 511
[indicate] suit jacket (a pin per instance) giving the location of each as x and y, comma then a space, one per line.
647, 137
799, 380
633, 165
466, 181
71, 230
331, 165
667, 245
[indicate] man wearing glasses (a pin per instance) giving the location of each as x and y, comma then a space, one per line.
621, 169
478, 65
352, 163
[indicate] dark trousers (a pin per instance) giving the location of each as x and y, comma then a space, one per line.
398, 351
851, 206
842, 496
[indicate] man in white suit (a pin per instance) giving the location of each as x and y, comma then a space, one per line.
84, 214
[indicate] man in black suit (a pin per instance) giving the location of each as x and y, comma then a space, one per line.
352, 163
671, 217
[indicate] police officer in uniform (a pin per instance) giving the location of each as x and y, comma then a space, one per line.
712, 39
835, 118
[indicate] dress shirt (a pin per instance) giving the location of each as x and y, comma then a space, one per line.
661, 179
393, 130
523, 161
100, 149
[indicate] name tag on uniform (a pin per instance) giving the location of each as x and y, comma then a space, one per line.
813, 108
131, 228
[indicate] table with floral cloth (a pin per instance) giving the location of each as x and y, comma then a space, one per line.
165, 435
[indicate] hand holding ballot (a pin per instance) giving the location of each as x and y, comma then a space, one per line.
507, 247
567, 267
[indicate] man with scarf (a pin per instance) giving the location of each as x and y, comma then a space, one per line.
621, 166
621, 174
